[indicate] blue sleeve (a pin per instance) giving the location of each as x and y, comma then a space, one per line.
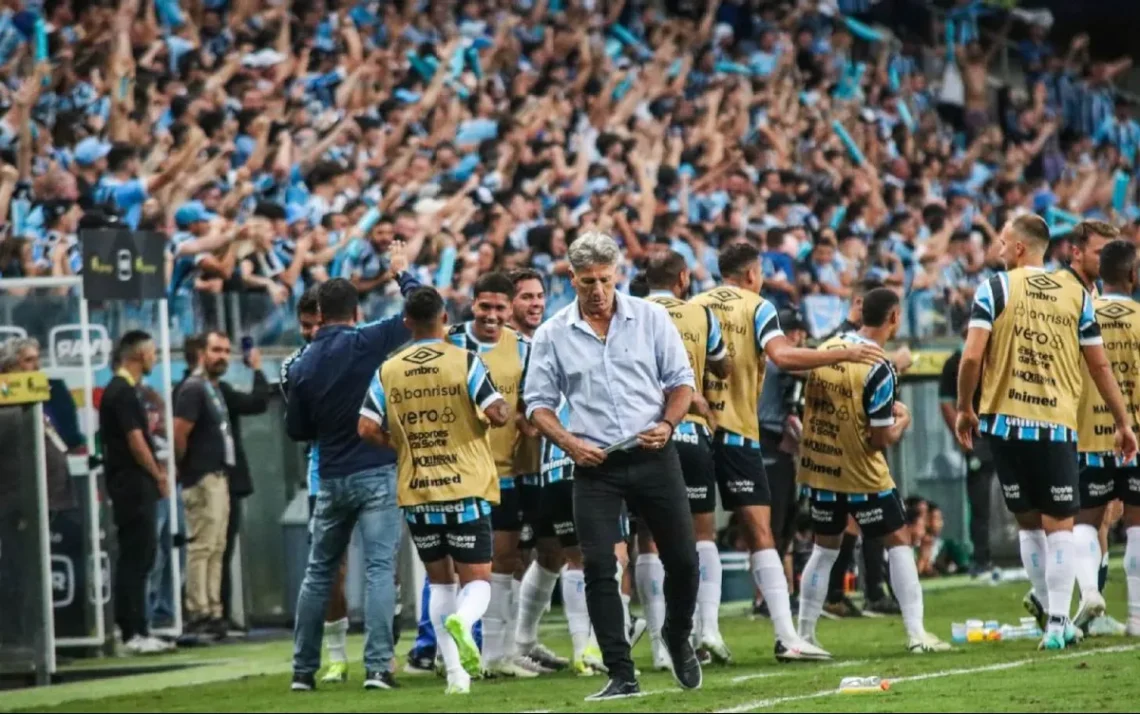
382, 337
375, 405
481, 389
989, 301
130, 194
408, 282
544, 384
716, 347
879, 395
1089, 330
766, 322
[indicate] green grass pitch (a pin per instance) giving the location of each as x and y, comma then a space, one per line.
1101, 675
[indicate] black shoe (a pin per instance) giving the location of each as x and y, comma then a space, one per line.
198, 626
616, 689
882, 606
794, 601
380, 680
420, 662
304, 683
760, 609
218, 628
842, 609
686, 666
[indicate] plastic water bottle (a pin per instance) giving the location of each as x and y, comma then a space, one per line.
1030, 624
862, 685
958, 633
992, 630
974, 631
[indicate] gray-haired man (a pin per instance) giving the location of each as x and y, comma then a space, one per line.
622, 367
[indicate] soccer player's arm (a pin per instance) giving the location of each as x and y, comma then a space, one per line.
989, 302
879, 390
524, 425
372, 426
484, 395
719, 361
1100, 369
772, 341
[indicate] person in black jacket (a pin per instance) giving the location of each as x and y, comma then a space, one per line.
240, 404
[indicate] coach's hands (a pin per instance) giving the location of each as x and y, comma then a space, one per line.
1125, 443
584, 453
865, 352
966, 425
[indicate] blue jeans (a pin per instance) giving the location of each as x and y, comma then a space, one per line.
160, 582
367, 497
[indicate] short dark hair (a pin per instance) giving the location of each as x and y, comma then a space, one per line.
639, 286
221, 334
309, 304
337, 300
1087, 229
866, 285
1033, 227
423, 306
737, 258
192, 348
665, 270
877, 306
495, 283
131, 341
1118, 262
520, 275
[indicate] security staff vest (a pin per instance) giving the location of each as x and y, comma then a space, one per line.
1119, 320
442, 444
835, 454
692, 322
736, 399
1033, 364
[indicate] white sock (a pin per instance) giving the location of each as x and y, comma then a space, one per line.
534, 596
473, 600
1132, 572
442, 606
813, 588
1034, 550
908, 591
495, 619
512, 620
577, 614
768, 573
650, 577
1060, 574
336, 637
1086, 543
708, 591
625, 600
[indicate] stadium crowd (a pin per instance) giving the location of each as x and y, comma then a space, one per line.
279, 145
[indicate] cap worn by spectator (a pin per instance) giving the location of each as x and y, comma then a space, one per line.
191, 213
90, 150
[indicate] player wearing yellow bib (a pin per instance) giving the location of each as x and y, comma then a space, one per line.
432, 402
668, 278
751, 329
1032, 330
1103, 476
851, 416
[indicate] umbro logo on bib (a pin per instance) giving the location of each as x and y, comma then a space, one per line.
1115, 311
724, 295
423, 355
1043, 282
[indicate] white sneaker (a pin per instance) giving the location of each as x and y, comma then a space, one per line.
458, 684
515, 668
927, 643
637, 631
662, 661
800, 650
137, 645
156, 645
1092, 607
717, 649
1106, 626
1133, 628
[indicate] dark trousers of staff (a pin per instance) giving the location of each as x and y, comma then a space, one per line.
650, 482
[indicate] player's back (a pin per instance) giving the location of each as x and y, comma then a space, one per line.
1119, 319
694, 323
1033, 368
841, 403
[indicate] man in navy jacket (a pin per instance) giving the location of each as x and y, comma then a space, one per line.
357, 480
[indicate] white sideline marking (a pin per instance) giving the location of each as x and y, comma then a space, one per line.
768, 703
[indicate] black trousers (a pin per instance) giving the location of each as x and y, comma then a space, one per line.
781, 469
232, 529
650, 482
138, 542
979, 482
